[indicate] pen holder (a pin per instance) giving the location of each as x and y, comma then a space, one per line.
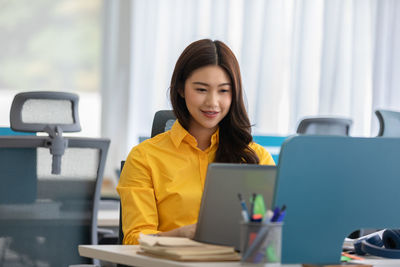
261, 242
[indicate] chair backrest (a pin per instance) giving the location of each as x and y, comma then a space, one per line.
389, 123
64, 176
325, 126
163, 121
60, 211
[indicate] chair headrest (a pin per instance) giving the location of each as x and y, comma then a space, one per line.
44, 111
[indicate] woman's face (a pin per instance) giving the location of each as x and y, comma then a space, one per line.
208, 96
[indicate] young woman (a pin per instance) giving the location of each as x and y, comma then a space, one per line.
163, 178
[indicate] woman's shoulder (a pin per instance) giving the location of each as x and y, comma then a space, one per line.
155, 143
258, 148
262, 153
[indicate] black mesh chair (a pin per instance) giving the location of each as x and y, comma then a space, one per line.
50, 183
325, 126
163, 121
389, 123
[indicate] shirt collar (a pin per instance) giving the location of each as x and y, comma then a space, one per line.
178, 134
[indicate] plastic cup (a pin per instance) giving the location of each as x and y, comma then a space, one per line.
261, 242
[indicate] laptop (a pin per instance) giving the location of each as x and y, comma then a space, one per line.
220, 211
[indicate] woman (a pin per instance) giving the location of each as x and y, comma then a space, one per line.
163, 178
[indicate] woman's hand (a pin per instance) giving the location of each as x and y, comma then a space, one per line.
184, 231
187, 230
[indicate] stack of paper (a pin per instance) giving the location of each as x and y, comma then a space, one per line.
184, 249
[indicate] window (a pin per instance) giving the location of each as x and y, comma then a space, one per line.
52, 46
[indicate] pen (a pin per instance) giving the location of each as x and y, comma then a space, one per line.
245, 213
268, 216
282, 214
276, 215
279, 214
353, 257
253, 199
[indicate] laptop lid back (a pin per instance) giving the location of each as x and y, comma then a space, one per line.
220, 211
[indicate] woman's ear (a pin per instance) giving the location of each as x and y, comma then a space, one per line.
181, 93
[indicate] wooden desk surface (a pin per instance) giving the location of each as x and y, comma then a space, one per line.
127, 255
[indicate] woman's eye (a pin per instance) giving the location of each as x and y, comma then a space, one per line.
201, 89
224, 90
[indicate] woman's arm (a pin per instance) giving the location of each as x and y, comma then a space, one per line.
184, 231
139, 208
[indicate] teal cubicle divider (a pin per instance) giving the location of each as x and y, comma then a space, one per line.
331, 187
17, 172
271, 143
8, 131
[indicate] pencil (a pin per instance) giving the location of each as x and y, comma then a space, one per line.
354, 257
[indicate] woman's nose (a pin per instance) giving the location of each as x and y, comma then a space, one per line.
212, 99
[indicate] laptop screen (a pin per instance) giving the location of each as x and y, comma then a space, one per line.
220, 210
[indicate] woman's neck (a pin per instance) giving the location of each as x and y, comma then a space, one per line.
202, 135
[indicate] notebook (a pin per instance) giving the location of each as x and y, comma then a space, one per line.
220, 211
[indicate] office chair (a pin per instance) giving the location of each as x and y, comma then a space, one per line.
389, 123
163, 121
51, 203
324, 126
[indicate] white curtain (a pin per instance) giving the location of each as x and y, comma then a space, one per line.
386, 68
298, 58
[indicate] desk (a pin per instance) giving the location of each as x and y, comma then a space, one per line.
124, 254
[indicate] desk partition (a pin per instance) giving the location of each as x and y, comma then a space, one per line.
331, 187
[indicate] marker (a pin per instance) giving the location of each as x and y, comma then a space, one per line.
259, 205
245, 213
256, 218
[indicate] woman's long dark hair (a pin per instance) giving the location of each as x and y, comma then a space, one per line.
235, 128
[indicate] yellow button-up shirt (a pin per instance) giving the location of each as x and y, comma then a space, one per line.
162, 182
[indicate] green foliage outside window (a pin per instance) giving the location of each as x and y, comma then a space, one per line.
50, 45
